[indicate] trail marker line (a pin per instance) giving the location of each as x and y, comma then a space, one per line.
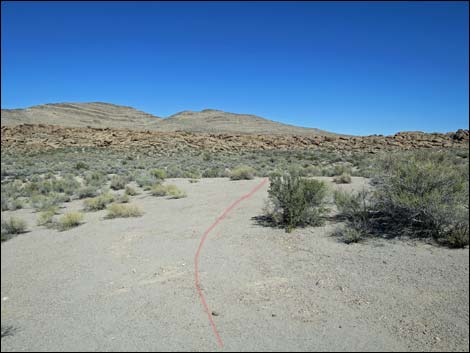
201, 243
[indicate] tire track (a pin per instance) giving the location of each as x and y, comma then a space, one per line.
198, 252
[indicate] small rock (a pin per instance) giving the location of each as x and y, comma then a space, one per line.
273, 315
215, 313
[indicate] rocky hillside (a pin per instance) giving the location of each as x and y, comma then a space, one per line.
37, 137
103, 115
98, 115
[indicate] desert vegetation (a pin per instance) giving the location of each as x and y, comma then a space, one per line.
421, 194
417, 195
12, 226
69, 220
296, 201
116, 210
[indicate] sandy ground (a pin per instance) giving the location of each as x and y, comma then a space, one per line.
128, 284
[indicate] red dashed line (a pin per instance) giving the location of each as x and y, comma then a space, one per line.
196, 258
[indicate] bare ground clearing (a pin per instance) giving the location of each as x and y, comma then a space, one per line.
128, 284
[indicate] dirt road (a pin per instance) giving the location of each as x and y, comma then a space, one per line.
129, 284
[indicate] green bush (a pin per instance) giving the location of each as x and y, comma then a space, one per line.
124, 198
296, 201
357, 211
146, 181
99, 203
43, 203
212, 172
131, 191
349, 234
12, 226
158, 190
123, 211
356, 208
175, 193
87, 191
159, 174
192, 174
46, 217
425, 195
168, 190
417, 194
13, 205
242, 173
118, 182
95, 179
70, 220
342, 179
81, 165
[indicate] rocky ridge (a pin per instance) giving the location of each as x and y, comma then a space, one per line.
29, 137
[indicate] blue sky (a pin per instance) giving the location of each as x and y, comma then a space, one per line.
357, 68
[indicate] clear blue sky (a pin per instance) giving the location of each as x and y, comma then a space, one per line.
356, 68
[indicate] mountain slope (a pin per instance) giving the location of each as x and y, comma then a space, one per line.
217, 121
100, 115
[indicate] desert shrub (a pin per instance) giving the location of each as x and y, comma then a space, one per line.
357, 211
87, 191
355, 207
174, 171
146, 181
213, 172
123, 211
242, 173
158, 190
95, 179
118, 182
341, 169
192, 174
175, 193
296, 201
69, 220
168, 190
67, 185
342, 179
131, 191
124, 198
159, 174
42, 203
16, 204
425, 195
13, 225
99, 203
12, 205
312, 170
46, 217
206, 156
81, 165
348, 234
4, 202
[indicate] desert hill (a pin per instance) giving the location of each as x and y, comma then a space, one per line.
217, 121
97, 115
104, 115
